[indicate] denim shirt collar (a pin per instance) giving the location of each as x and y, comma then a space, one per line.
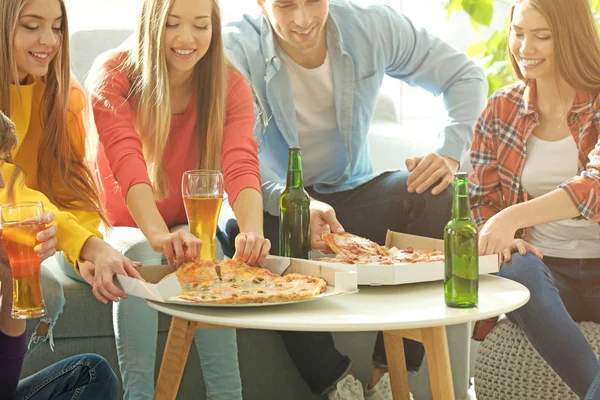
278, 84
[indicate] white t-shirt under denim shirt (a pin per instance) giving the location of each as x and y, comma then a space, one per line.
548, 164
324, 153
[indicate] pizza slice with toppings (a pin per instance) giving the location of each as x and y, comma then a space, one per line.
352, 249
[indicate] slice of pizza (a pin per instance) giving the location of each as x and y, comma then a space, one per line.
202, 272
350, 245
410, 255
352, 249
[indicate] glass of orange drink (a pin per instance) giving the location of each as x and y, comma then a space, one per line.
202, 196
21, 222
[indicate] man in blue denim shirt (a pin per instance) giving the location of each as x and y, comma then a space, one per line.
316, 67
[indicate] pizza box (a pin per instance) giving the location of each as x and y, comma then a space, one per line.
398, 274
339, 281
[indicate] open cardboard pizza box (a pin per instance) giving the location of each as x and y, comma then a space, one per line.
339, 281
397, 274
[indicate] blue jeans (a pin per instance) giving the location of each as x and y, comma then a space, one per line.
136, 334
562, 291
369, 211
82, 377
54, 299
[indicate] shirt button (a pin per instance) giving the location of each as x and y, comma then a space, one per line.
266, 60
275, 59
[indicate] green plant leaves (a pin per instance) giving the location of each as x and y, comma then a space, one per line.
480, 11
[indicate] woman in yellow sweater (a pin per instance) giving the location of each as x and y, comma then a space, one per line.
46, 105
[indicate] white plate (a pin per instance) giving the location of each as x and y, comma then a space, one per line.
330, 291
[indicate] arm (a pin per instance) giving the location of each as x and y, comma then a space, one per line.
419, 59
498, 233
250, 244
78, 243
485, 191
179, 246
71, 236
584, 189
239, 160
76, 128
554, 206
114, 117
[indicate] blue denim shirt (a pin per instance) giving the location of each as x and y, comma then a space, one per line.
364, 44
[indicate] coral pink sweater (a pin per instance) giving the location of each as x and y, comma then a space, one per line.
121, 161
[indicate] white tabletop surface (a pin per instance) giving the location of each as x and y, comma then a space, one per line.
372, 309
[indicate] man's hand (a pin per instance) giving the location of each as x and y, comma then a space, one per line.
428, 170
522, 247
322, 219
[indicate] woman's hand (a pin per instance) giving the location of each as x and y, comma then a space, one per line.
47, 238
179, 246
521, 246
103, 263
497, 234
251, 248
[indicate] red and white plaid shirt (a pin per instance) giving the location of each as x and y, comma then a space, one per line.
499, 148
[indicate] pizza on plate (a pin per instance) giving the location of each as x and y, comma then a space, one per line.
352, 249
234, 282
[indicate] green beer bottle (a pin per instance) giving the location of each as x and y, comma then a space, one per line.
294, 211
461, 281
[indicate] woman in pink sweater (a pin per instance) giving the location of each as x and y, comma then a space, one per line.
168, 102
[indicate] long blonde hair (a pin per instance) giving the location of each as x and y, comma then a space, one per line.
61, 161
576, 42
146, 66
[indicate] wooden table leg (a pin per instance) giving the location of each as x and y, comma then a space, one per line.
394, 351
181, 334
438, 360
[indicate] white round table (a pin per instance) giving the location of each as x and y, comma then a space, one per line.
415, 311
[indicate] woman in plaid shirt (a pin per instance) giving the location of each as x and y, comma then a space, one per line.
536, 182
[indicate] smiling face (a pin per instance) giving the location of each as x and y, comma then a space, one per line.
38, 37
531, 43
188, 33
299, 25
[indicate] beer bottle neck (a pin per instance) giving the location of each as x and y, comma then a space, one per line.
294, 174
461, 208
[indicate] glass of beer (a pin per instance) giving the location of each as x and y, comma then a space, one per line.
202, 196
21, 222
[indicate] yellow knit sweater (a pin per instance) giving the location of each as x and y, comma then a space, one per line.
75, 227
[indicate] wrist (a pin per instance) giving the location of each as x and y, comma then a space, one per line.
452, 163
512, 216
91, 249
156, 239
